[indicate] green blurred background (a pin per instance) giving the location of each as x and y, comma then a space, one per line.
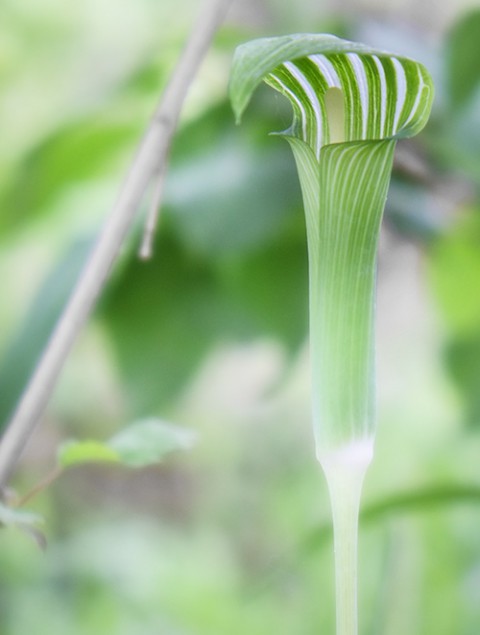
211, 334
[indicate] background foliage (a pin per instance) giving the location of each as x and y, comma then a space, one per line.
210, 334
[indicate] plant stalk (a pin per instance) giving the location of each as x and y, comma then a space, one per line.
150, 159
344, 471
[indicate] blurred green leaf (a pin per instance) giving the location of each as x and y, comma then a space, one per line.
33, 333
463, 137
454, 260
162, 317
454, 141
26, 521
233, 197
462, 360
140, 444
463, 54
454, 138
165, 315
82, 151
11, 517
269, 288
148, 441
411, 209
73, 453
228, 190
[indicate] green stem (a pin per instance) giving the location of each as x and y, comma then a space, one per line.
345, 470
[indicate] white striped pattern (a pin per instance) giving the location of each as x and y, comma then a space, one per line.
383, 93
384, 96
327, 70
313, 99
362, 84
401, 91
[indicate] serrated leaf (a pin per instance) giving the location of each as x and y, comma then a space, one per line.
148, 442
138, 445
73, 453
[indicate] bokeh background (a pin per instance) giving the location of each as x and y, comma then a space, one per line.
233, 536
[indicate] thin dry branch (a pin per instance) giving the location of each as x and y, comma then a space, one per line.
150, 160
146, 247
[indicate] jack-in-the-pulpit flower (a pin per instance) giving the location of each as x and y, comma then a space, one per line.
350, 105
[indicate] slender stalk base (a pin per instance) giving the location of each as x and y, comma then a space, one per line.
345, 470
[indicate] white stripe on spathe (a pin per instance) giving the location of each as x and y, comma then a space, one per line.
383, 94
328, 71
307, 88
401, 91
362, 83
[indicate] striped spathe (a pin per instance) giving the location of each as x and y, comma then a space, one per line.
385, 96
